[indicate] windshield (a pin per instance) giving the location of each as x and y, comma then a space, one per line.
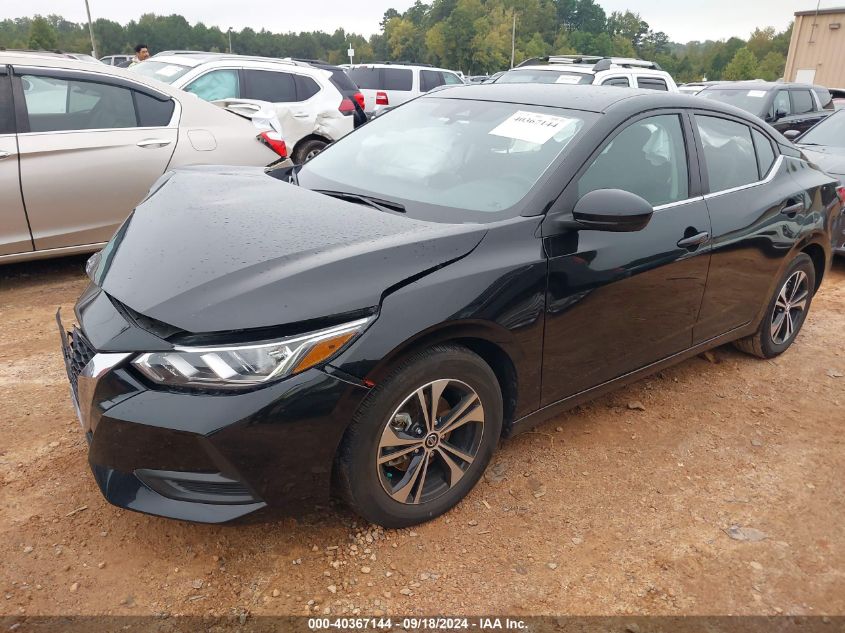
438, 157
753, 101
162, 71
828, 131
544, 77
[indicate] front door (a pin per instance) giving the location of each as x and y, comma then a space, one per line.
14, 230
90, 148
617, 302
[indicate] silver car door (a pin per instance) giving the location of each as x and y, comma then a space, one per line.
99, 141
14, 231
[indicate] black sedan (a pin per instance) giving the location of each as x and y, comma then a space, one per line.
478, 260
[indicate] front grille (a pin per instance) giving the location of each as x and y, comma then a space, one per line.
78, 353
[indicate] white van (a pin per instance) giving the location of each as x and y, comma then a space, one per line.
388, 85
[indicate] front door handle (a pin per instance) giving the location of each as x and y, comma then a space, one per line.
154, 142
4, 155
694, 240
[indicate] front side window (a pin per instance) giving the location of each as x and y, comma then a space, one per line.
781, 106
647, 158
215, 85
728, 153
451, 79
617, 82
449, 159
802, 102
55, 104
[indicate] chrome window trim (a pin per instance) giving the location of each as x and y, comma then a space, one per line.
173, 124
773, 170
669, 205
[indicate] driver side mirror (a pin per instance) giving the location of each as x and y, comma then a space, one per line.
612, 210
792, 134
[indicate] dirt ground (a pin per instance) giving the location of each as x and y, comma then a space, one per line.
722, 494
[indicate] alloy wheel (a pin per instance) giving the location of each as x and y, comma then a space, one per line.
430, 441
790, 307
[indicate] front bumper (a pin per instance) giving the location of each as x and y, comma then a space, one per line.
208, 457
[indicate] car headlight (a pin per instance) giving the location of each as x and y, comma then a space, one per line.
243, 366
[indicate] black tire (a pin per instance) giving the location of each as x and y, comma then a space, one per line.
363, 482
765, 342
305, 149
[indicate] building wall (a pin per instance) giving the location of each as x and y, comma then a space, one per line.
821, 49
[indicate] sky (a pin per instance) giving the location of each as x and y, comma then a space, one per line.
682, 20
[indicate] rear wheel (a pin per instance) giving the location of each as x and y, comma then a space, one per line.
786, 313
422, 438
308, 150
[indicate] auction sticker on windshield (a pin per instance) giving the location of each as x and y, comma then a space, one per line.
531, 126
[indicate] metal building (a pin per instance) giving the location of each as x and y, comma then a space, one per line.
817, 48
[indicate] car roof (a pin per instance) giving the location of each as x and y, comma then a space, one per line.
597, 99
194, 59
589, 69
402, 66
758, 84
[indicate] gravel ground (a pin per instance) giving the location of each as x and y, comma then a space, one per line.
714, 487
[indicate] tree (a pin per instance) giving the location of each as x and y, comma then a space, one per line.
42, 35
772, 66
742, 66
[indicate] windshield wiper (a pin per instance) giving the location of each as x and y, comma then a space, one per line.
375, 203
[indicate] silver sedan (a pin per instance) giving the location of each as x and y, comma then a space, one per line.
80, 147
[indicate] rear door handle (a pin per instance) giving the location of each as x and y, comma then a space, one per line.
694, 240
792, 209
4, 155
154, 142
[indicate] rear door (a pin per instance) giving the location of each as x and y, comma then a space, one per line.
757, 210
14, 230
291, 93
617, 302
100, 142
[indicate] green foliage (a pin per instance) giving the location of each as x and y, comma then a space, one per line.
469, 35
742, 66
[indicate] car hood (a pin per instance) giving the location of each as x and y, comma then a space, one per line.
830, 159
218, 249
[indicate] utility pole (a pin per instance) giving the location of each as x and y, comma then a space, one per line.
230, 39
513, 38
91, 30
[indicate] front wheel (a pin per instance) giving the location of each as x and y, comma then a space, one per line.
422, 438
786, 313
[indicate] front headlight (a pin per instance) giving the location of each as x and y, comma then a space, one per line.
246, 365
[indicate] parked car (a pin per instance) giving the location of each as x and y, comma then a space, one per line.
312, 109
386, 84
82, 144
116, 60
838, 97
785, 106
459, 269
824, 145
477, 79
346, 86
618, 72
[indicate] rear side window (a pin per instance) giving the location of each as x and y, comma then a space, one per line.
341, 80
55, 104
269, 85
397, 79
430, 79
647, 158
652, 83
617, 82
217, 84
305, 87
7, 112
728, 153
152, 112
802, 101
765, 153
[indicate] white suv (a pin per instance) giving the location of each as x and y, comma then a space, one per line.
619, 72
388, 85
312, 110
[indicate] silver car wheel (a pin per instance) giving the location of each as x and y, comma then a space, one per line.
430, 441
790, 307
